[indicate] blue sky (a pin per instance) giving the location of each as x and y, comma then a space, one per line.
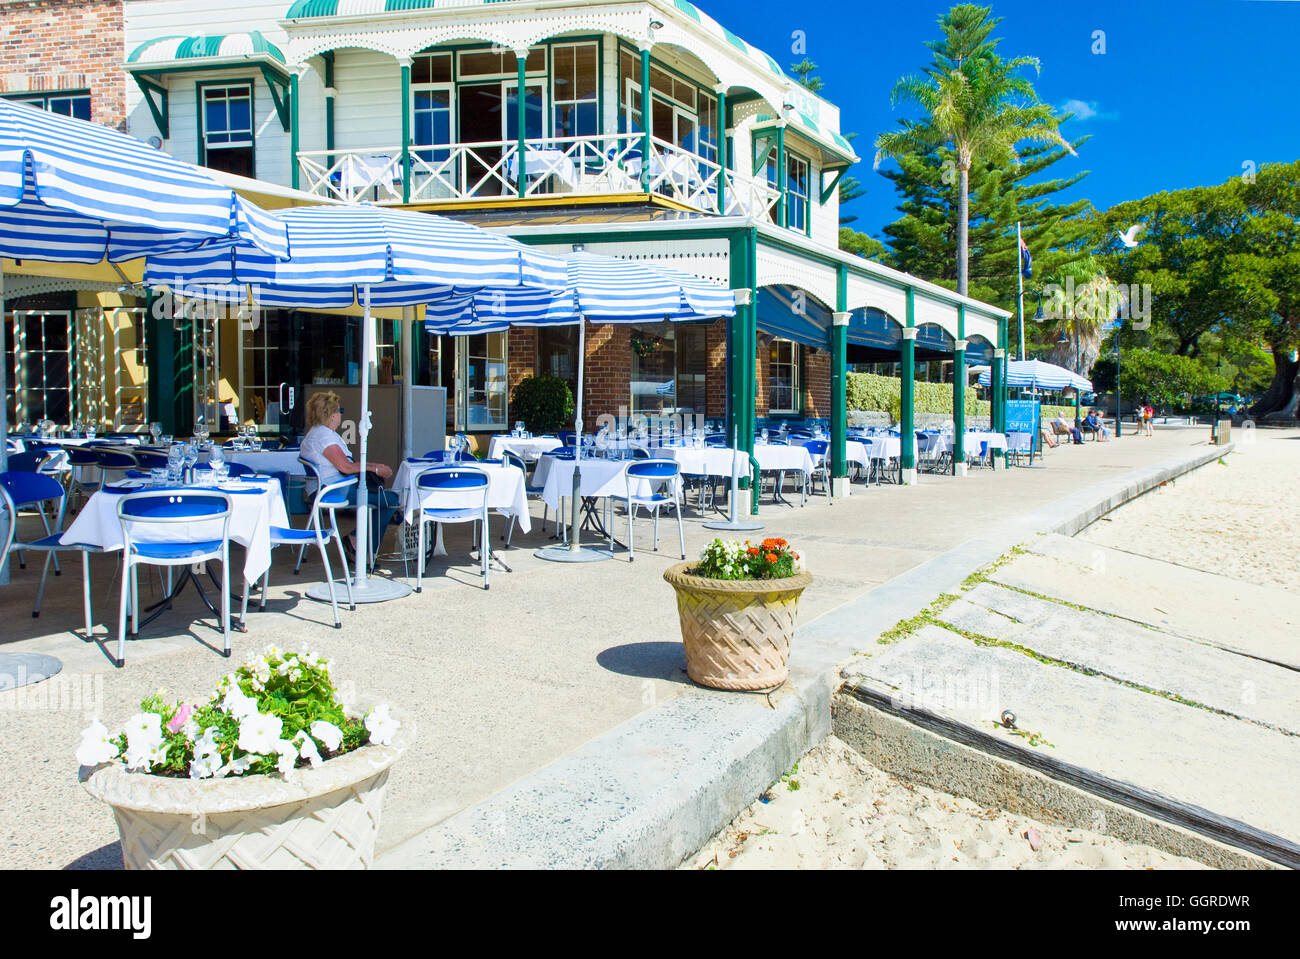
1186, 93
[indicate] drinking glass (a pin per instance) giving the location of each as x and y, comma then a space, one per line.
175, 459
155, 431
765, 434
190, 457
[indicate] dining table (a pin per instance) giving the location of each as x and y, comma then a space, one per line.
507, 493
527, 448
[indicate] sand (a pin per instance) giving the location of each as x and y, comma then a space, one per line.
1233, 519
837, 811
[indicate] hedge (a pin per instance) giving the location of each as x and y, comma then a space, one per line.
869, 391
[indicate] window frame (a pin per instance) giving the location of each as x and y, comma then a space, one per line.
555, 102
796, 385
462, 384
792, 159
42, 100
201, 117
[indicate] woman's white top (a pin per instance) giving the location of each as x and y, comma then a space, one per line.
313, 447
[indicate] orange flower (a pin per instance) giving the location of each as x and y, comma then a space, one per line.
771, 557
774, 544
753, 551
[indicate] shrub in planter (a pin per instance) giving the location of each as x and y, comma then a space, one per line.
544, 403
737, 608
274, 768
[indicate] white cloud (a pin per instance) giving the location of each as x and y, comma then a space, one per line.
1081, 109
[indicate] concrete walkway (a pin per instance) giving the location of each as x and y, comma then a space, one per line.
545, 669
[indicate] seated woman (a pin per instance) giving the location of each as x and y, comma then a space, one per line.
324, 449
1046, 435
1062, 428
1092, 424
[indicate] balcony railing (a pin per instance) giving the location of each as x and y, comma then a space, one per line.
587, 166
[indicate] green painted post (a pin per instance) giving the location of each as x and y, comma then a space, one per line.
907, 401
645, 121
294, 142
160, 355
959, 396
742, 346
521, 118
721, 134
997, 411
840, 384
328, 57
406, 131
782, 216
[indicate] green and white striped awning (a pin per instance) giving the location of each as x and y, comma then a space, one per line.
814, 131
173, 53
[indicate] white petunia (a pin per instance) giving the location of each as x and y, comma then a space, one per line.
381, 725
205, 766
206, 744
143, 731
307, 749
330, 736
95, 746
237, 704
260, 733
288, 756
237, 767
144, 758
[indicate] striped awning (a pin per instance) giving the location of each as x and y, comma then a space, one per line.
1037, 375
603, 289
75, 192
824, 137
172, 53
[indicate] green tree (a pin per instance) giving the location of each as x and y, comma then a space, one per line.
803, 72
975, 103
860, 244
1167, 381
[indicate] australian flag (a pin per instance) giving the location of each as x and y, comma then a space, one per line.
1026, 263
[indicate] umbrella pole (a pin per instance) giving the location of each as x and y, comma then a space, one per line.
4, 415
575, 552
365, 588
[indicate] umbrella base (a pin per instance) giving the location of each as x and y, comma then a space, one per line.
584, 554
735, 526
373, 590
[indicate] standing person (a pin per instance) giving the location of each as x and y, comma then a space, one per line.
324, 449
1148, 419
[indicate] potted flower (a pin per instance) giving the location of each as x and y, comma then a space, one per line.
737, 607
273, 771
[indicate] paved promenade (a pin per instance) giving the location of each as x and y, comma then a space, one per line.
504, 682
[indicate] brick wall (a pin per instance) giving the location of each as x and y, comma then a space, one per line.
57, 45
715, 377
608, 372
817, 384
521, 355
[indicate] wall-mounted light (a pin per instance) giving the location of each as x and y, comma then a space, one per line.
656, 24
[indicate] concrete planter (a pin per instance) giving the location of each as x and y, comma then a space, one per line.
737, 634
324, 818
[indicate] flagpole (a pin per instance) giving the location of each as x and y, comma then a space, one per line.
1020, 289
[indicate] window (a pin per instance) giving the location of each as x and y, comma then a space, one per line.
484, 384
669, 363
557, 353
710, 127
431, 109
41, 363
783, 377
677, 108
226, 125
493, 63
769, 173
74, 104
574, 90
797, 192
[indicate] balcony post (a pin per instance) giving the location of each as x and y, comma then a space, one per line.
723, 159
521, 118
645, 119
405, 64
907, 404
330, 93
781, 214
959, 396
295, 114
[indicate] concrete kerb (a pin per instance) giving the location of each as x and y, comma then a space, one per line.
652, 791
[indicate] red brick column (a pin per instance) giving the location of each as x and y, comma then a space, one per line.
715, 376
817, 384
607, 376
66, 45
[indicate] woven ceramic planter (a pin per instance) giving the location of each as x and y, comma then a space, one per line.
323, 818
737, 634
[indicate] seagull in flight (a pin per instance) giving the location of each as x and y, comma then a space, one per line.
1130, 237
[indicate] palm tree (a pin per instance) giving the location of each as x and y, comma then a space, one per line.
1085, 315
973, 102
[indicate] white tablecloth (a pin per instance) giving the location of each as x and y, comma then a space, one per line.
789, 459
883, 447
599, 478
996, 441
709, 461
251, 517
506, 494
854, 452
528, 449
542, 163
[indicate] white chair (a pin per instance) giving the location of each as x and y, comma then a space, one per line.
453, 494
664, 477
164, 529
530, 492
328, 499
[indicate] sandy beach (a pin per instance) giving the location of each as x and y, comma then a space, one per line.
837, 811
1222, 518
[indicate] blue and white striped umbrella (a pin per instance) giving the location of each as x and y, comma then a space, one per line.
603, 289
376, 256
77, 192
1037, 375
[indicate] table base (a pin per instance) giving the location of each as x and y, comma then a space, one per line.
187, 576
583, 554
373, 590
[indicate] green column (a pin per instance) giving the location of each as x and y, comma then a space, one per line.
781, 215
406, 130
328, 57
997, 411
645, 121
160, 355
721, 134
742, 347
840, 378
294, 144
907, 404
959, 396
521, 118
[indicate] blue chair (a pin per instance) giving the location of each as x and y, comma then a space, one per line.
328, 499
22, 489
530, 491
113, 461
457, 485
822, 467
82, 460
150, 460
662, 474
146, 518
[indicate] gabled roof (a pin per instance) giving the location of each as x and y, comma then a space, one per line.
178, 51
